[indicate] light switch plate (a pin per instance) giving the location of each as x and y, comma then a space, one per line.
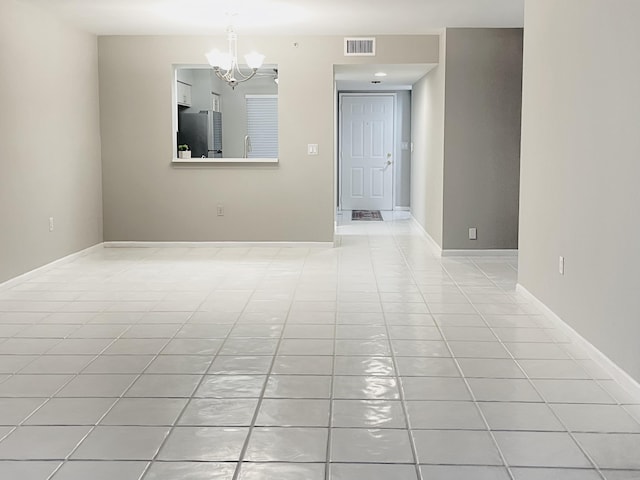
312, 149
473, 233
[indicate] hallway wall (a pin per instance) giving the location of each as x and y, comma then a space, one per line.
427, 135
50, 139
580, 169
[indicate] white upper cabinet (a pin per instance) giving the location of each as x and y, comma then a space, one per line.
184, 94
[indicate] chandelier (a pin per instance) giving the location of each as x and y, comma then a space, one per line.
225, 64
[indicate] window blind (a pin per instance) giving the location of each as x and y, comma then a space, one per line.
262, 125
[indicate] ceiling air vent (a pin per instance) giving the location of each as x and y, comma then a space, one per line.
359, 47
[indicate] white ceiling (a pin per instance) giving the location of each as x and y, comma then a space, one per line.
399, 77
283, 17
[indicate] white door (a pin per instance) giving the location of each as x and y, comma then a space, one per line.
366, 146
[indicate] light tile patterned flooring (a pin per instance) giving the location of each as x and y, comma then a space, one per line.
375, 360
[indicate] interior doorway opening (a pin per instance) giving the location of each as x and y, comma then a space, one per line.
373, 136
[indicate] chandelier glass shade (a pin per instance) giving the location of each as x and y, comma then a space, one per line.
225, 64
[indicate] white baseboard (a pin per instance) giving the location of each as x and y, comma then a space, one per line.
462, 253
480, 253
66, 259
402, 209
426, 235
217, 244
609, 366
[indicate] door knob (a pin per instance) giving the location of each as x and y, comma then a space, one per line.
389, 162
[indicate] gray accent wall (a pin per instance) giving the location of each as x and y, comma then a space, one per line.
146, 198
49, 123
466, 135
482, 137
580, 169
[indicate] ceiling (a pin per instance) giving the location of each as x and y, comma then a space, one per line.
398, 77
283, 17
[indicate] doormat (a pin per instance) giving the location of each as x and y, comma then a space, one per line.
366, 215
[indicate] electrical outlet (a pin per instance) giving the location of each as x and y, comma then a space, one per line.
220, 210
473, 233
561, 265
51, 224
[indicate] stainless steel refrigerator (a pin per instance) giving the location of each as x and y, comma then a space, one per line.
202, 132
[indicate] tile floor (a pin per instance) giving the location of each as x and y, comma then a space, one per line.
374, 360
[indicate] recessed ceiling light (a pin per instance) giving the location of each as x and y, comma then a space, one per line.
380, 74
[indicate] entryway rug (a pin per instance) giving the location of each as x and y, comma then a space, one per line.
366, 215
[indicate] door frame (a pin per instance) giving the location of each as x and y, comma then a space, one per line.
338, 183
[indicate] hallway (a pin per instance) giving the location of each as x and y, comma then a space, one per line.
374, 360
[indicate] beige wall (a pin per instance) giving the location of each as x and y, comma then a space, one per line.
145, 198
50, 156
482, 137
427, 135
580, 168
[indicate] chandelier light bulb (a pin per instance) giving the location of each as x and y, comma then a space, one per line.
254, 59
213, 57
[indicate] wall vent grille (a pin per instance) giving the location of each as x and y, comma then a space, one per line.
359, 47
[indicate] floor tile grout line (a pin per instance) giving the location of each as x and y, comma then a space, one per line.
592, 378
327, 465
245, 445
598, 381
14, 337
91, 429
74, 261
337, 427
80, 325
53, 395
38, 355
401, 396
405, 411
575, 359
203, 376
116, 401
528, 378
469, 390
503, 343
557, 417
